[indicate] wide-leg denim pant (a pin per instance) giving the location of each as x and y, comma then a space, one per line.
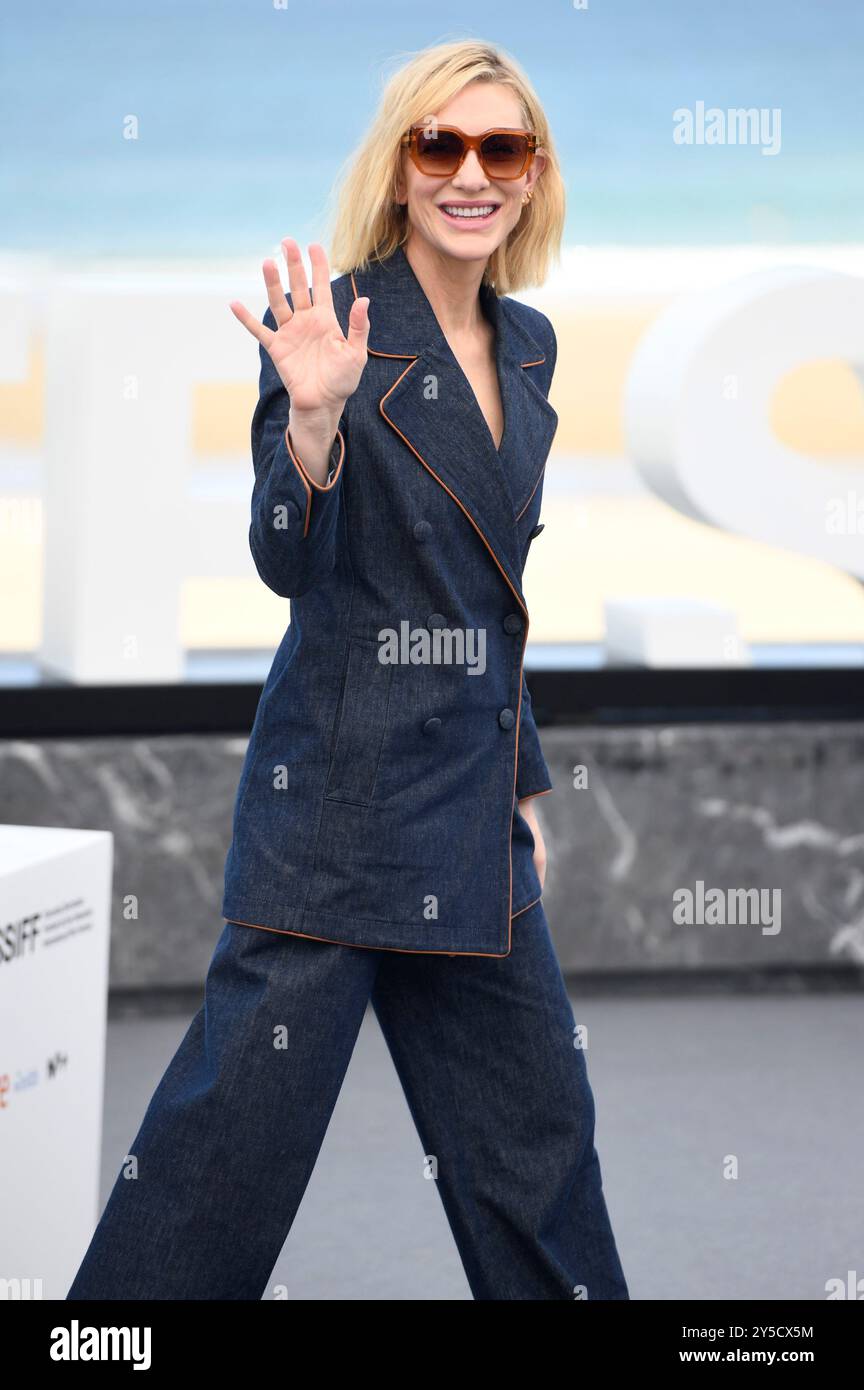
484, 1049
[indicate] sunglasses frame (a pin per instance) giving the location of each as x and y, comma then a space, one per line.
470, 142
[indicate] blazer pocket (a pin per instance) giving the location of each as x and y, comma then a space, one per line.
361, 722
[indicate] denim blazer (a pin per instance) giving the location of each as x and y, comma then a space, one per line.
375, 806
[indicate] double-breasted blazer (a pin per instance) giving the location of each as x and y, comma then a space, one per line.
376, 805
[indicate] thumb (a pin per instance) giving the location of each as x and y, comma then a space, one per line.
358, 324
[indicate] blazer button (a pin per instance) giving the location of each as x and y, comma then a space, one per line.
292, 509
536, 532
436, 620
506, 719
422, 532
432, 726
512, 624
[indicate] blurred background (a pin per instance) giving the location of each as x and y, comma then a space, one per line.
195, 137
697, 653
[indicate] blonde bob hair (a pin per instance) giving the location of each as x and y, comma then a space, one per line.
369, 224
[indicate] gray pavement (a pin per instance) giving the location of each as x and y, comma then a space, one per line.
679, 1084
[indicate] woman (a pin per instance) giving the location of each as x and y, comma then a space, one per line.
379, 852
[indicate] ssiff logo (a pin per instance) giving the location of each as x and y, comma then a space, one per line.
18, 938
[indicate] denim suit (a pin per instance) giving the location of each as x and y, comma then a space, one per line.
368, 789
376, 804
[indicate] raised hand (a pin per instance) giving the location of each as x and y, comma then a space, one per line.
319, 366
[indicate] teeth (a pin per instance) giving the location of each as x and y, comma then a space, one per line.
483, 211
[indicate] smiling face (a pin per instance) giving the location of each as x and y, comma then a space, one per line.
468, 215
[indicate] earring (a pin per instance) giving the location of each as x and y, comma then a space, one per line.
526, 197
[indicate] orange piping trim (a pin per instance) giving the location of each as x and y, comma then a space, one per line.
408, 950
518, 600
441, 483
406, 355
372, 350
531, 795
308, 482
543, 469
533, 490
525, 908
405, 950
538, 363
413, 359
403, 356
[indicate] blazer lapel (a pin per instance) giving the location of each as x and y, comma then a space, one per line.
433, 409
530, 421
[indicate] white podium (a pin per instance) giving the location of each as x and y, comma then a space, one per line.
55, 912
674, 631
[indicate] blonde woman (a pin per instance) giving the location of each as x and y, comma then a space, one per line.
385, 847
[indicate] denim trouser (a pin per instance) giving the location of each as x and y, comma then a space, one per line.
484, 1049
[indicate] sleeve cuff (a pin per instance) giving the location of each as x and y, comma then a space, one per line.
532, 773
336, 459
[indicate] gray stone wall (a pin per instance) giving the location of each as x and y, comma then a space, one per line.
777, 808
735, 806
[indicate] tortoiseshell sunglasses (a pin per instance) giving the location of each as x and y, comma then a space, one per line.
440, 150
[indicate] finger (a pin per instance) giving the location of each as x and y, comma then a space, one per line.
275, 294
258, 330
296, 275
358, 324
320, 275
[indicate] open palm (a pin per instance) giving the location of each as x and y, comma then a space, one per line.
319, 366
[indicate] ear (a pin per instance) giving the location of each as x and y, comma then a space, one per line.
538, 164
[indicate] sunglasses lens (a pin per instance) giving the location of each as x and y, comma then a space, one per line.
439, 153
504, 155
